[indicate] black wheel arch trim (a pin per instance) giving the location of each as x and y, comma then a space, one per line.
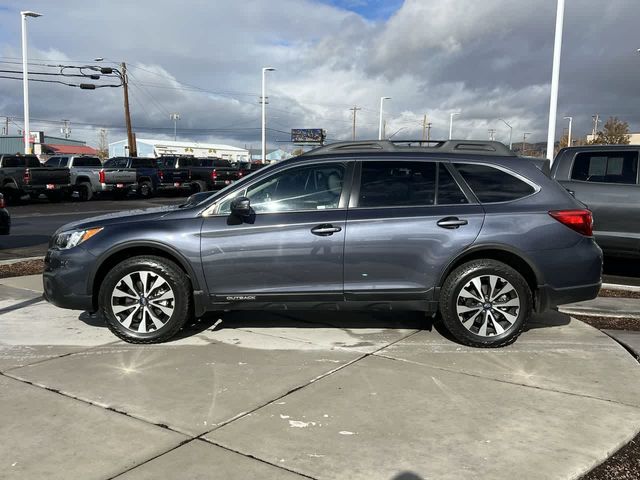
475, 248
183, 262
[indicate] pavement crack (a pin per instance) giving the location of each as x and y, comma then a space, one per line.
483, 377
253, 457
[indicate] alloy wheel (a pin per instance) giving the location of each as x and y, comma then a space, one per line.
488, 305
142, 301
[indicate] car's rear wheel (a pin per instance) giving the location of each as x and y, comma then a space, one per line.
84, 191
485, 303
145, 299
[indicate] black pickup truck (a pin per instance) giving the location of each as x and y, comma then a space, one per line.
172, 173
212, 174
24, 174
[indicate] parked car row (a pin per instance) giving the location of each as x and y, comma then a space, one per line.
83, 177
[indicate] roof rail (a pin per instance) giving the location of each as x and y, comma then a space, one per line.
473, 147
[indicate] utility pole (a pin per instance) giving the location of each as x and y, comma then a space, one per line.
429, 131
354, 110
596, 120
384, 130
65, 130
492, 132
5, 129
133, 151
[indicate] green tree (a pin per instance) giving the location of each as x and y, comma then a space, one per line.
615, 132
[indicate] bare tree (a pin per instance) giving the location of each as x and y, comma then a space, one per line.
103, 144
615, 132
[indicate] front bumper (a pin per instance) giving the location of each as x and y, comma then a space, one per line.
66, 278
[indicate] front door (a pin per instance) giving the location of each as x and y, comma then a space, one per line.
292, 247
406, 223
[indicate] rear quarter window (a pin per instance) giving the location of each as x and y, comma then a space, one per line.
492, 185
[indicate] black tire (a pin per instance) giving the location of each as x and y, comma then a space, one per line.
198, 186
11, 193
145, 189
85, 192
450, 299
169, 272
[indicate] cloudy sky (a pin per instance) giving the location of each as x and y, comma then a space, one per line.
489, 59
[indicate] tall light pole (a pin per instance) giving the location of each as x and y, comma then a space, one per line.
555, 79
380, 134
175, 117
25, 77
524, 142
264, 112
451, 115
569, 134
510, 132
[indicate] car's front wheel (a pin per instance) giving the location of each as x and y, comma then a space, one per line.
485, 303
145, 299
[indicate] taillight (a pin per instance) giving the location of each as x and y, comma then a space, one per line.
189, 174
26, 178
239, 174
101, 177
2, 204
214, 175
579, 220
161, 175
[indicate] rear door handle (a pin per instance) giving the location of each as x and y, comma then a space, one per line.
451, 222
325, 229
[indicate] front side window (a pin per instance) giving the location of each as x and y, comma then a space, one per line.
397, 184
493, 185
606, 167
315, 187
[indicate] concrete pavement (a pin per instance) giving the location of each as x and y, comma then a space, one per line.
305, 395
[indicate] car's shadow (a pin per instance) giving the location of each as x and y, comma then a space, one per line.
347, 320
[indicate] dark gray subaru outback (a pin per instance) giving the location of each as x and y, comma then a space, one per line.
465, 228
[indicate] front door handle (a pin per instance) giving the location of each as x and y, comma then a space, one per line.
451, 222
325, 229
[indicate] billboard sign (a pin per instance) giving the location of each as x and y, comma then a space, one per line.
307, 135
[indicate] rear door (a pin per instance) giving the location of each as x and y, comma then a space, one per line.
407, 219
607, 182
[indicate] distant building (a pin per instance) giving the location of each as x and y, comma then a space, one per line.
156, 148
45, 146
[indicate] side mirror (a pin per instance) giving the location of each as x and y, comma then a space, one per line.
241, 207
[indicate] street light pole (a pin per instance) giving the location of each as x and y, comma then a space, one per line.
451, 115
264, 112
175, 117
25, 78
569, 134
510, 132
380, 133
555, 79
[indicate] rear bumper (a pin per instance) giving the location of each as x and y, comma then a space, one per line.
112, 187
548, 297
174, 186
45, 188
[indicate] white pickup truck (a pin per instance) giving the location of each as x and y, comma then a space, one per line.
89, 177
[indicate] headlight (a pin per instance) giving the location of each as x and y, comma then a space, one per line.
73, 238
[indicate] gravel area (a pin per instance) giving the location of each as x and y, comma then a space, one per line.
18, 269
618, 293
608, 323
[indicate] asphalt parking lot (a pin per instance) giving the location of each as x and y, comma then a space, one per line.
305, 395
33, 223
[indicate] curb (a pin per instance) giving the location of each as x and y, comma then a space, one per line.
18, 260
619, 287
597, 313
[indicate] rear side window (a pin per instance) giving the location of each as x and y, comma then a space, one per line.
493, 185
606, 167
397, 184
86, 162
